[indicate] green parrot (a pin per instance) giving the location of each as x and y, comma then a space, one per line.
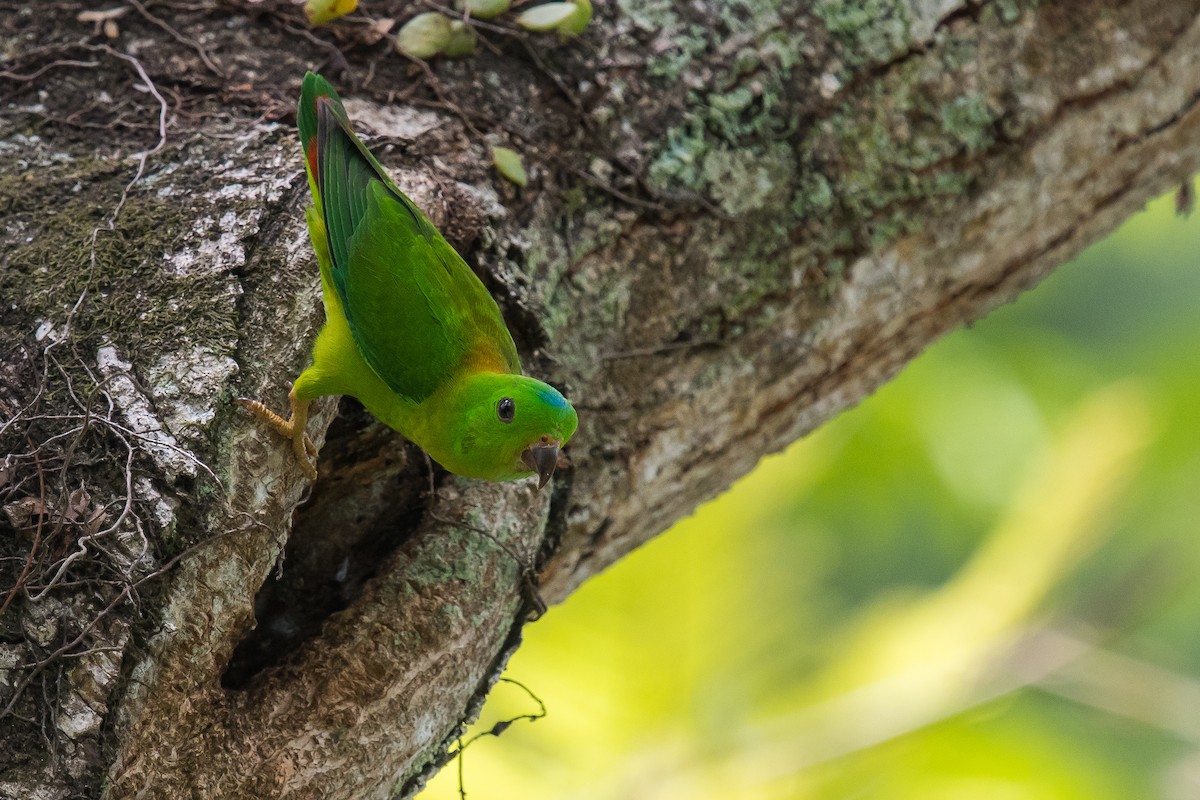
409, 329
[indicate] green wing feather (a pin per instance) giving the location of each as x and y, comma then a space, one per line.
416, 311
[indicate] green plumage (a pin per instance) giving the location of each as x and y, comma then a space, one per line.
410, 330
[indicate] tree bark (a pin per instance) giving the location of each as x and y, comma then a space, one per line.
742, 218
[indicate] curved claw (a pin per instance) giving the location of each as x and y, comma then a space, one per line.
291, 428
300, 445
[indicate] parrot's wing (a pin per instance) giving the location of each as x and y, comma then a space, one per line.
417, 312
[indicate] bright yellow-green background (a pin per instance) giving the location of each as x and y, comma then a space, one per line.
984, 582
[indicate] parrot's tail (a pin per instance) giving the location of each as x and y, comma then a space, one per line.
313, 90
331, 145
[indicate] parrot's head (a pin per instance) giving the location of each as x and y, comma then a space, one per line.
512, 427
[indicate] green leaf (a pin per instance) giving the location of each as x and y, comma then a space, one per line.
462, 40
547, 16
425, 35
574, 24
319, 12
508, 163
485, 9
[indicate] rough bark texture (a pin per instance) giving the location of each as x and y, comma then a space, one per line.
744, 216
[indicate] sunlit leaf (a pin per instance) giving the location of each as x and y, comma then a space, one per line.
547, 16
508, 163
575, 24
425, 35
486, 9
321, 11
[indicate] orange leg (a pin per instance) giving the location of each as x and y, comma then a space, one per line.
291, 428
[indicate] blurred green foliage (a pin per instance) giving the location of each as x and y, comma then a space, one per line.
978, 584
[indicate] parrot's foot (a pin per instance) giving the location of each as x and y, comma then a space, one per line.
291, 428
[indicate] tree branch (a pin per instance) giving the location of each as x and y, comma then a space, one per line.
744, 234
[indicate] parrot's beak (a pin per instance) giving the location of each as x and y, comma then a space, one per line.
542, 458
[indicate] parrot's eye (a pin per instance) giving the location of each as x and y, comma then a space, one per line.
505, 409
